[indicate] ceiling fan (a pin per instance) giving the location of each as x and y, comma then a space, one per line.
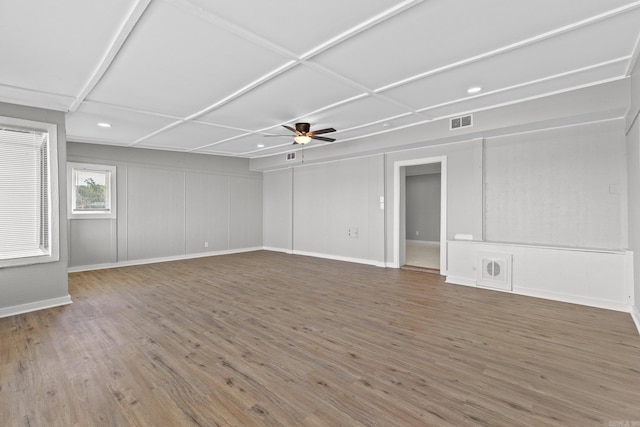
304, 134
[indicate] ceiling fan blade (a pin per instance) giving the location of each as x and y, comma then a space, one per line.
323, 138
321, 131
290, 128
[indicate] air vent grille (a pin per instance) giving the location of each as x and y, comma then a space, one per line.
461, 122
494, 270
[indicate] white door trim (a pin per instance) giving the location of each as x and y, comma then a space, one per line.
443, 207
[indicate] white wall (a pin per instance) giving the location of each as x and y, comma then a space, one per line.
595, 278
38, 286
170, 205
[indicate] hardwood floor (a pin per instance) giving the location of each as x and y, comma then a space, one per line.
268, 339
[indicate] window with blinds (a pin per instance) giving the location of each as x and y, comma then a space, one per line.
25, 194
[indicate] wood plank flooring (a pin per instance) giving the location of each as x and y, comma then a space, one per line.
269, 339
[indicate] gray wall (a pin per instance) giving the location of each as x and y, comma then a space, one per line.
423, 207
583, 122
169, 205
314, 207
558, 187
278, 209
633, 177
31, 284
464, 189
609, 100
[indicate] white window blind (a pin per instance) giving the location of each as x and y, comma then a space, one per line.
24, 193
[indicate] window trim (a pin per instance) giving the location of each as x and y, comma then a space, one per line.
111, 213
53, 212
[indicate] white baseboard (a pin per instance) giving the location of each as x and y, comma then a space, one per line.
273, 249
341, 258
635, 315
460, 281
573, 299
80, 268
33, 306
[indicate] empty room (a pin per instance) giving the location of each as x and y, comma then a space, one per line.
389, 213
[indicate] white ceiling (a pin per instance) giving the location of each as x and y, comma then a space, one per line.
215, 77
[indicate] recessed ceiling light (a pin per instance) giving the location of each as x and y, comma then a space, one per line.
260, 145
474, 89
104, 125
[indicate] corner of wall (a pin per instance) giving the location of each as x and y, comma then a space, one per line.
635, 315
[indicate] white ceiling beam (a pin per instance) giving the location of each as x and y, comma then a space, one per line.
229, 27
114, 48
371, 22
634, 57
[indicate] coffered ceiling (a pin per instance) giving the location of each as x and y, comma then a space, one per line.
215, 77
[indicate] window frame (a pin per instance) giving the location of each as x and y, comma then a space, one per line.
111, 212
52, 213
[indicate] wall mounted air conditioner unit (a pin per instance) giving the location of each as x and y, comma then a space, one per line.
494, 270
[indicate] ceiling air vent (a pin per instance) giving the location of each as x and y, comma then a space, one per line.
461, 122
291, 156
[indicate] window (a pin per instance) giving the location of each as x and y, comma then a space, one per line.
28, 202
91, 190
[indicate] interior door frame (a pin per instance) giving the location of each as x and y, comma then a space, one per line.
443, 207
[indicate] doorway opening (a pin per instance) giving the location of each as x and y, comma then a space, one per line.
420, 214
422, 217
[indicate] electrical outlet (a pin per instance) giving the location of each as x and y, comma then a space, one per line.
417, 233
353, 232
206, 244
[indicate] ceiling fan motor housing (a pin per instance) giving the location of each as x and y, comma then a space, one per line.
303, 127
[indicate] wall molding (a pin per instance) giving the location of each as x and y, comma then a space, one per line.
81, 268
34, 306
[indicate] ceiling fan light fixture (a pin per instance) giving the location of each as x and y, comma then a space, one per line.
302, 139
